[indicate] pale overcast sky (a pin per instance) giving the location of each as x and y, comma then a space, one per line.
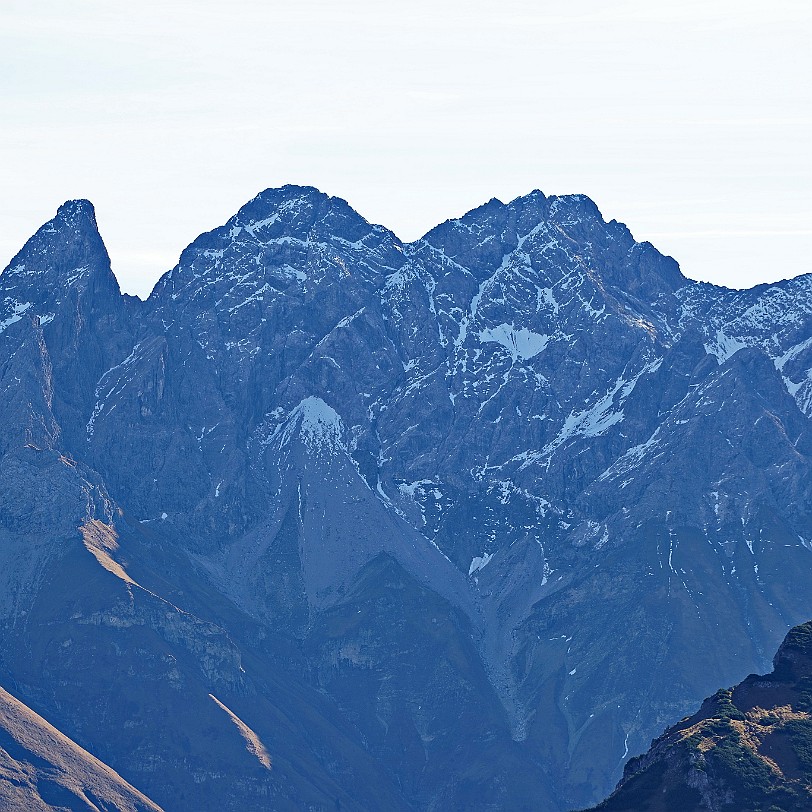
690, 121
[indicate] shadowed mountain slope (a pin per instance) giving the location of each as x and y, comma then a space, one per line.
453, 524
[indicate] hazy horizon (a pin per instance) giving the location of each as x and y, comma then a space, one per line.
689, 124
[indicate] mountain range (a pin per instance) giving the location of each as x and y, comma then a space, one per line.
333, 521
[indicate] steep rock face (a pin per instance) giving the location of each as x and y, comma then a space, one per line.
747, 748
322, 512
62, 284
191, 703
585, 480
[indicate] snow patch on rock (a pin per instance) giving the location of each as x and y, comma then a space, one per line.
724, 346
317, 424
17, 310
479, 562
321, 427
521, 343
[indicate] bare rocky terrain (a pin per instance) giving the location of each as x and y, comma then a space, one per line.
333, 521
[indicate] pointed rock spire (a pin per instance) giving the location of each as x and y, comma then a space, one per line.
66, 253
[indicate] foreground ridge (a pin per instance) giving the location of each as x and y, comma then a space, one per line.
41, 769
747, 748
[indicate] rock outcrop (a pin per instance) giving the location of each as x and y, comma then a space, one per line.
748, 748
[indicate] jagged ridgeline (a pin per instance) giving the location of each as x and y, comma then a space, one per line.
747, 749
332, 521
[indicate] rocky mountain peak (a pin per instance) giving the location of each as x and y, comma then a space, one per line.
76, 211
296, 210
67, 252
556, 234
283, 241
793, 660
591, 474
61, 303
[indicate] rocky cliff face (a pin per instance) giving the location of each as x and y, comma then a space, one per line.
747, 748
459, 523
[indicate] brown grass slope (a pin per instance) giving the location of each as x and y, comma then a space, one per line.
42, 770
748, 748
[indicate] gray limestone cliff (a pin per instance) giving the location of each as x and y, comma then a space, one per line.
333, 521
